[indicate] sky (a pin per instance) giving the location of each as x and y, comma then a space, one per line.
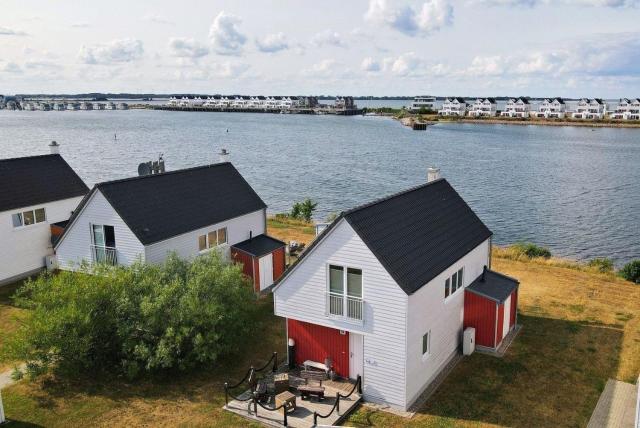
568, 48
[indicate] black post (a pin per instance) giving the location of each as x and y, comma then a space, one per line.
255, 405
359, 385
338, 403
292, 356
275, 362
315, 419
226, 394
286, 422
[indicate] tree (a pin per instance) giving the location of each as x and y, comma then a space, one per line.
135, 320
631, 271
307, 207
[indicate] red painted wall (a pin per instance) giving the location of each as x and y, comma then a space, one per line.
500, 324
278, 263
248, 265
480, 313
315, 342
514, 306
256, 270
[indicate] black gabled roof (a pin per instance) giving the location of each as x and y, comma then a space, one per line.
419, 233
159, 207
415, 234
259, 246
493, 285
37, 179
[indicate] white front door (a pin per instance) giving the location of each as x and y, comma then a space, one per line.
507, 317
356, 355
266, 271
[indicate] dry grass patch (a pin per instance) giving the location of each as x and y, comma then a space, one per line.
287, 229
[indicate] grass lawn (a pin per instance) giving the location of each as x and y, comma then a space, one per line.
579, 329
9, 318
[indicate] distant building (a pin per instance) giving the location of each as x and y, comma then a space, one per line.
308, 102
517, 107
453, 106
483, 107
344, 103
627, 109
550, 108
590, 108
423, 102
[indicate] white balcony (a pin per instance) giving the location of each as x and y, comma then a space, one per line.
104, 255
347, 307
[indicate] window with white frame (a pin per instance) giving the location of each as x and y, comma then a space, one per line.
212, 239
345, 292
454, 283
426, 344
28, 218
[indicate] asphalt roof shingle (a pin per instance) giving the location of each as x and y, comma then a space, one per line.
36, 180
419, 233
159, 207
260, 245
493, 285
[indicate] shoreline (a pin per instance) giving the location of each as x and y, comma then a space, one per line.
409, 121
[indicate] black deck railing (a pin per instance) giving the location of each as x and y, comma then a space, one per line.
336, 406
273, 362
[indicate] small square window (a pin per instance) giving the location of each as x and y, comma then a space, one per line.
222, 236
17, 219
202, 242
454, 282
426, 343
446, 287
40, 215
460, 277
28, 217
212, 238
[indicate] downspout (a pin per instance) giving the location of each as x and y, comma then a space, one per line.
490, 251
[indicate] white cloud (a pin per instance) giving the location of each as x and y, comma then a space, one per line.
225, 35
532, 3
80, 25
116, 51
10, 67
272, 43
329, 38
157, 19
5, 31
183, 47
405, 64
230, 69
370, 65
433, 16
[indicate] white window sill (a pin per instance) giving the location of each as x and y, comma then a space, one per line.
30, 226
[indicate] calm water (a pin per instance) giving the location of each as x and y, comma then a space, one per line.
576, 190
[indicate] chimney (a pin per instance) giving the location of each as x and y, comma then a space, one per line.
224, 155
433, 173
54, 148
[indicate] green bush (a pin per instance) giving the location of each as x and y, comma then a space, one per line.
303, 210
531, 250
134, 320
601, 264
631, 271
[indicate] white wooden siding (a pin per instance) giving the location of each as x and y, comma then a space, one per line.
301, 296
429, 311
76, 244
186, 245
23, 250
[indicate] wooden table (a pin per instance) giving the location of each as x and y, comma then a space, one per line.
281, 382
288, 399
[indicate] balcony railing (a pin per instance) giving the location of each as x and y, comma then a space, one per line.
348, 307
104, 255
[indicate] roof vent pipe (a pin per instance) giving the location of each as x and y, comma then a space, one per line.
224, 155
54, 148
433, 173
484, 271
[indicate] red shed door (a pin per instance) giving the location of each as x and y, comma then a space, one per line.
315, 342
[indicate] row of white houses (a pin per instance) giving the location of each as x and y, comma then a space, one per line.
60, 106
245, 102
549, 108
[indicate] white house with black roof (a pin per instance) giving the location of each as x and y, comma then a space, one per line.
483, 107
550, 108
187, 212
381, 292
37, 194
517, 107
453, 106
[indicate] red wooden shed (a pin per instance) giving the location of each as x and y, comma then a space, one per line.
262, 258
490, 306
